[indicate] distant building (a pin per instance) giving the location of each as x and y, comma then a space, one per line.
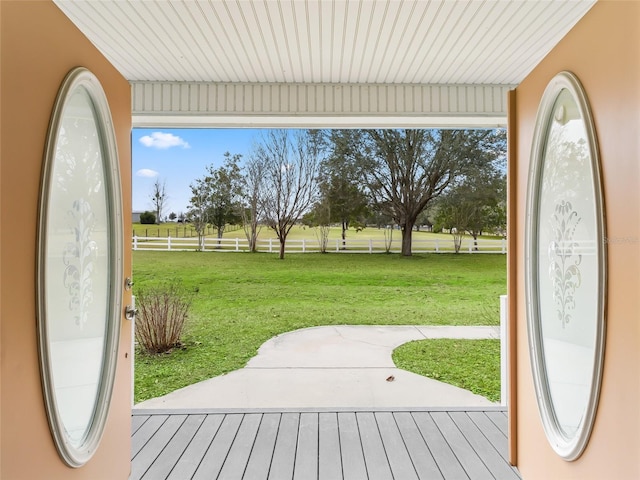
135, 216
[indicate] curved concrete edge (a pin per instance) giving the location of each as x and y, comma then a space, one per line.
330, 366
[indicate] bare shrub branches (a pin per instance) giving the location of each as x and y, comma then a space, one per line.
162, 312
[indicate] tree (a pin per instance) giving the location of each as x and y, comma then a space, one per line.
289, 188
319, 218
404, 170
340, 184
475, 203
198, 209
159, 198
173, 216
252, 183
224, 190
147, 218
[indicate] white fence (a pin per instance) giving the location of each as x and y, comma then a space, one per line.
350, 245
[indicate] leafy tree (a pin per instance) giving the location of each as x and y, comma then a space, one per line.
159, 198
216, 197
147, 218
404, 170
340, 185
224, 190
475, 203
172, 216
290, 184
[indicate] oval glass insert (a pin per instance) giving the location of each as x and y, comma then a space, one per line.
565, 266
79, 266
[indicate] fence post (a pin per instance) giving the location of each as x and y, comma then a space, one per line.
271, 245
135, 242
504, 361
504, 245
237, 244
470, 246
337, 246
437, 246
169, 243
304, 246
370, 246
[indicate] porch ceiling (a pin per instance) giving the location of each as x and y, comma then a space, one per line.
481, 43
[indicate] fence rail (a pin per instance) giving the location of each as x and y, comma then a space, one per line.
271, 245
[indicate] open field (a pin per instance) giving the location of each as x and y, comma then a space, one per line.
242, 300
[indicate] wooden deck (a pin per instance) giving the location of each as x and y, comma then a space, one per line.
319, 444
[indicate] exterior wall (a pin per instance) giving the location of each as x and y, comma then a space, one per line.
603, 50
39, 46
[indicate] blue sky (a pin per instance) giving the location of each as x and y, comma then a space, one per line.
179, 156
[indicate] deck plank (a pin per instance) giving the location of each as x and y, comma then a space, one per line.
260, 459
329, 458
238, 457
464, 452
353, 468
146, 432
284, 453
195, 451
439, 447
423, 461
167, 460
500, 420
219, 448
399, 458
137, 421
306, 464
483, 447
435, 444
496, 436
374, 454
156, 444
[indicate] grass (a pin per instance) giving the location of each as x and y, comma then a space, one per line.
244, 299
470, 364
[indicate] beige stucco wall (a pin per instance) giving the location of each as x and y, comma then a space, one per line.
603, 50
39, 45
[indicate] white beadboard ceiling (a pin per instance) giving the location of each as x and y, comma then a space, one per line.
420, 42
397, 44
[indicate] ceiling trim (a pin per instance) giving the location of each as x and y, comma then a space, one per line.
189, 104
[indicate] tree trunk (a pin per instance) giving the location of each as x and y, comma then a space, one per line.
407, 231
253, 240
344, 235
282, 241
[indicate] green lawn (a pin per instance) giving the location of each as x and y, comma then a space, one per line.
470, 364
244, 299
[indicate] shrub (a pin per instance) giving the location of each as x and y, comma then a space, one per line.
162, 312
147, 218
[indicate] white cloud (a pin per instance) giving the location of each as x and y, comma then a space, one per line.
163, 140
146, 172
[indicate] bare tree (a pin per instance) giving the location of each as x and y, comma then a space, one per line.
289, 188
254, 172
159, 198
